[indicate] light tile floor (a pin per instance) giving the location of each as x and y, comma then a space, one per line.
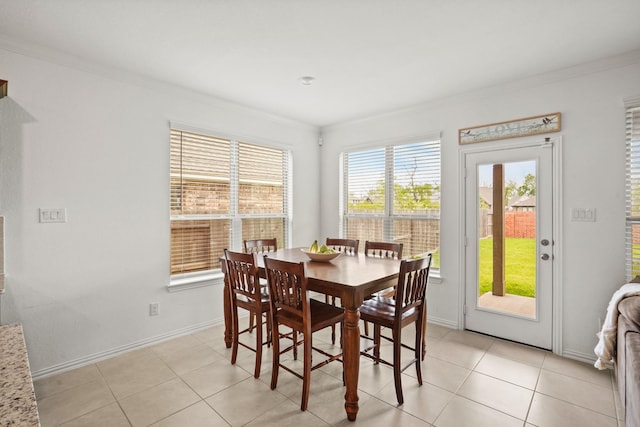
469, 380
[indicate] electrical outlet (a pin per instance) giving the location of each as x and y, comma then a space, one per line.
53, 215
154, 309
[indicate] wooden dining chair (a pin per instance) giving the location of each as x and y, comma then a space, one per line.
407, 307
243, 280
383, 250
260, 246
346, 246
292, 307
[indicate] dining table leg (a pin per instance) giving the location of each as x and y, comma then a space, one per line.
351, 360
228, 328
424, 332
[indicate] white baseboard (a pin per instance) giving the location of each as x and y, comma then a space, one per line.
117, 351
577, 355
442, 322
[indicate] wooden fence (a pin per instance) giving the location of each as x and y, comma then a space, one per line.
516, 224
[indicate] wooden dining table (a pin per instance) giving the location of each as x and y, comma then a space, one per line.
352, 278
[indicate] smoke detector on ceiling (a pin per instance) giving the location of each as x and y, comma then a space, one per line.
307, 80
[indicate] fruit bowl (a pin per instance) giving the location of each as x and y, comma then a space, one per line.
320, 257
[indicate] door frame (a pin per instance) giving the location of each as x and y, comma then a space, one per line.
556, 167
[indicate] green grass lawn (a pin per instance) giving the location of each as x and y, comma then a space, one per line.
435, 260
520, 260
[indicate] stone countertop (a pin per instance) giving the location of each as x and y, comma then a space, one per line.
17, 398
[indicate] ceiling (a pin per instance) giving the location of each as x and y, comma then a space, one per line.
368, 56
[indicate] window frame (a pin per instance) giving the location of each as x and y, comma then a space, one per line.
387, 216
632, 180
187, 280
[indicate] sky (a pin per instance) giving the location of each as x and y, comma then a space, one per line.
418, 160
515, 171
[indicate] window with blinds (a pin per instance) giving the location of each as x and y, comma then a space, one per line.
221, 189
632, 189
392, 194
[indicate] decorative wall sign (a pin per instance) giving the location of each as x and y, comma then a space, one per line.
511, 129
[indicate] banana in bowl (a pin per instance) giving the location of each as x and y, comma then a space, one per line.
319, 256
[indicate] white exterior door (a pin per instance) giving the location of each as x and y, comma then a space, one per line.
509, 245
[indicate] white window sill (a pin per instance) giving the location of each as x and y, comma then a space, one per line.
436, 280
183, 283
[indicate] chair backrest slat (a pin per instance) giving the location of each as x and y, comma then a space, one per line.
287, 285
412, 284
242, 273
383, 249
347, 246
260, 245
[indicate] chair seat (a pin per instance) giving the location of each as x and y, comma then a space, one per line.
322, 315
249, 306
386, 293
264, 298
382, 311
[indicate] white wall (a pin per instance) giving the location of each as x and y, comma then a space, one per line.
593, 134
97, 143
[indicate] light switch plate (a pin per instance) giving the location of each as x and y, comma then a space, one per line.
583, 214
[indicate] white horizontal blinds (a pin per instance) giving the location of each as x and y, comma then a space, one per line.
416, 197
416, 178
632, 190
407, 177
261, 172
196, 245
262, 198
264, 228
364, 191
200, 201
199, 174
365, 181
2, 272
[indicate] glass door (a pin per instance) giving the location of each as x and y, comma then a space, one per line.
509, 252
